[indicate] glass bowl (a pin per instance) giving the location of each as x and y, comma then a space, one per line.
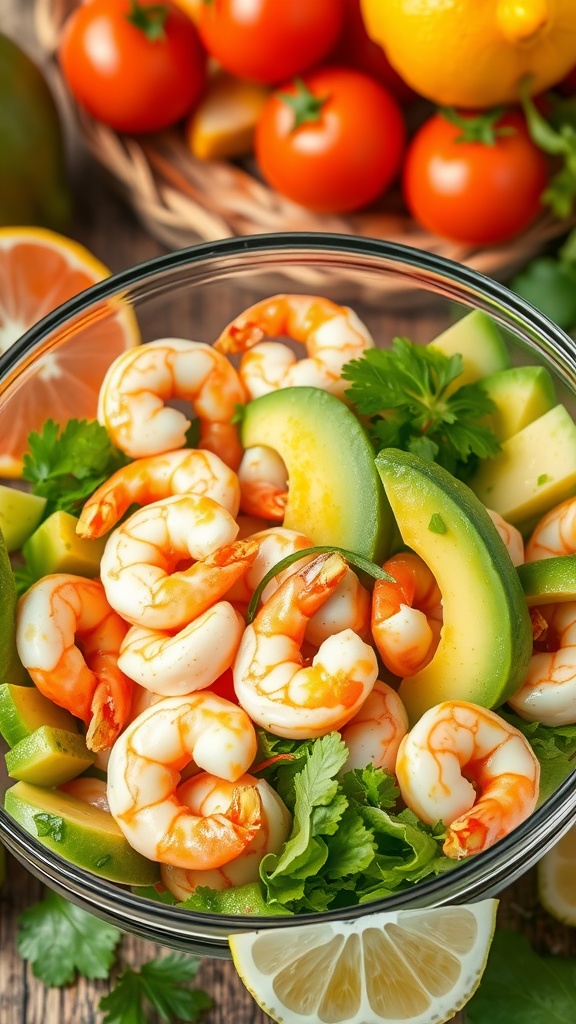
194, 293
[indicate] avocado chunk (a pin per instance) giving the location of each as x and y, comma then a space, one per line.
335, 496
477, 339
84, 835
49, 757
20, 514
548, 580
55, 547
486, 637
23, 709
521, 394
534, 470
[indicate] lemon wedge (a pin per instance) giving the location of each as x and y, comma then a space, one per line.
556, 879
409, 966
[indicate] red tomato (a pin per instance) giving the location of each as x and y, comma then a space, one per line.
341, 151
269, 41
124, 74
470, 191
355, 49
224, 686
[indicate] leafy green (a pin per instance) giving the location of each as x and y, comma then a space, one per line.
347, 845
407, 396
549, 283
556, 135
239, 899
521, 987
554, 746
59, 939
161, 985
65, 466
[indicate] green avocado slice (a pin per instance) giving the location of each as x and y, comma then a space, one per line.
548, 580
335, 496
486, 638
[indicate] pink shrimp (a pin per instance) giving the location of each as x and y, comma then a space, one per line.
406, 614
373, 736
68, 638
555, 533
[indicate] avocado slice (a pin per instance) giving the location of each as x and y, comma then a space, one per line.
534, 470
56, 547
477, 339
49, 757
486, 639
20, 514
84, 835
548, 580
521, 394
23, 709
335, 496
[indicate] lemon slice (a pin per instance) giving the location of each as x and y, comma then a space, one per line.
556, 879
409, 966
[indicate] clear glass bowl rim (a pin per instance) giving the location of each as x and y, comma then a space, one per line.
551, 819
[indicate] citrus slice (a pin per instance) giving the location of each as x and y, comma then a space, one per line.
39, 270
409, 966
556, 879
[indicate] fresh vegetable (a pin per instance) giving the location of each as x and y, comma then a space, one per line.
34, 187
311, 427
477, 180
470, 54
23, 709
313, 147
266, 41
520, 395
475, 339
486, 638
549, 283
62, 941
136, 65
405, 393
521, 986
20, 514
163, 986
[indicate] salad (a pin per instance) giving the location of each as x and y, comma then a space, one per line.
311, 647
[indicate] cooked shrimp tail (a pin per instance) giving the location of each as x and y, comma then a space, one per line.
406, 614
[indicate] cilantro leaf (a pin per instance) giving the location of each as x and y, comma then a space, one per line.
246, 899
65, 466
161, 985
59, 939
521, 987
406, 393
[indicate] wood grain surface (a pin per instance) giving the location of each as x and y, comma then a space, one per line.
103, 223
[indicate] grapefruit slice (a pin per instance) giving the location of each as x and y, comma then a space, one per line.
39, 270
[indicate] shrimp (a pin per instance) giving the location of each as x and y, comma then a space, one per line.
374, 734
91, 791
406, 614
183, 471
271, 681
139, 563
511, 536
206, 794
274, 543
131, 402
465, 766
68, 638
332, 334
548, 693
144, 774
263, 481
175, 664
555, 533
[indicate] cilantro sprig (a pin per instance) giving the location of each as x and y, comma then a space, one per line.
407, 395
62, 941
66, 465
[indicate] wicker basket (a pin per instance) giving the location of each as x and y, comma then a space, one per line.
181, 200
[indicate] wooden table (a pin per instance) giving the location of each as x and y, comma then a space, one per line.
110, 231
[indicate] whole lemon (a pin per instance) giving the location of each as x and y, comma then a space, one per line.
475, 53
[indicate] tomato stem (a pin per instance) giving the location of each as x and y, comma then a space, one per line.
148, 19
481, 128
306, 107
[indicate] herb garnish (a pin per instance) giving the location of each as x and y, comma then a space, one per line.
407, 394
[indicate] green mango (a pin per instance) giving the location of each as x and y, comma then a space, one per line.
34, 188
